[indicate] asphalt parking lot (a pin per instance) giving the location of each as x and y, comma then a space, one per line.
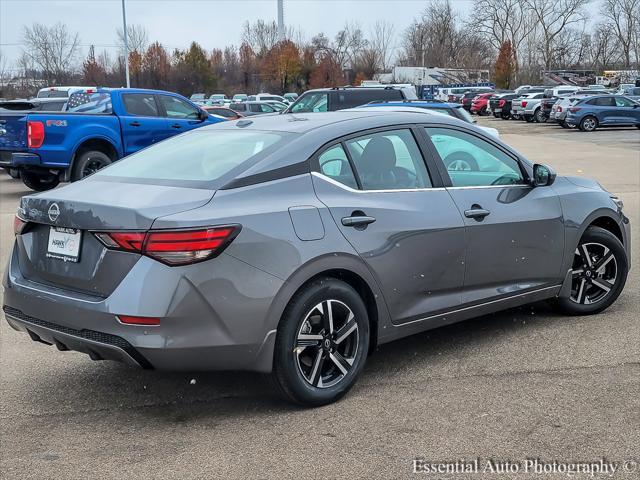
525, 383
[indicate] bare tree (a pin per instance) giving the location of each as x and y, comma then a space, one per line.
552, 17
261, 36
4, 70
52, 49
501, 20
603, 51
624, 17
382, 44
137, 38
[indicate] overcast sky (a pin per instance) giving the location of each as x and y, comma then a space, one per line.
212, 23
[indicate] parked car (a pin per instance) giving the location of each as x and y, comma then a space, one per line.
454, 110
480, 103
216, 98
251, 108
198, 98
61, 92
466, 99
500, 105
98, 128
268, 97
604, 111
222, 112
279, 106
239, 97
525, 106
49, 104
172, 259
331, 99
451, 95
560, 108
291, 96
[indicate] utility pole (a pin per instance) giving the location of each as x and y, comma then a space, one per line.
126, 44
280, 20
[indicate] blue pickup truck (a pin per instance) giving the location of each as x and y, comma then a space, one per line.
100, 126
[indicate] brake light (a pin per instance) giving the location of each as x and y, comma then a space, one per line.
35, 134
173, 247
523, 104
501, 103
574, 109
558, 108
131, 320
18, 225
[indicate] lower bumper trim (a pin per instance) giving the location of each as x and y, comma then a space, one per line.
97, 345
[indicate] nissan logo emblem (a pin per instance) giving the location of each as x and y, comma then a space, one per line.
53, 212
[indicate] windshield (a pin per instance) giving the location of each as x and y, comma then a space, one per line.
198, 156
311, 102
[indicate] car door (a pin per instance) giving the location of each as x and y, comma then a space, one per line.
141, 124
605, 110
514, 232
626, 111
392, 211
180, 116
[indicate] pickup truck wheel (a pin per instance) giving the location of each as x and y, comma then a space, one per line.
539, 116
40, 181
88, 163
528, 118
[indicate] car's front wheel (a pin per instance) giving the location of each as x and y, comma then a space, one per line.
322, 343
599, 272
40, 181
539, 116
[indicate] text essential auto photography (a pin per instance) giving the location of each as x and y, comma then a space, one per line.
319, 239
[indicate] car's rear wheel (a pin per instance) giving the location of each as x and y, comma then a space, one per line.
89, 163
588, 123
539, 116
322, 343
529, 118
599, 272
505, 116
40, 181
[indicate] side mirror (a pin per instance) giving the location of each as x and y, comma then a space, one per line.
543, 175
203, 115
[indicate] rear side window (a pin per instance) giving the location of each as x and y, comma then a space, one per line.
200, 156
238, 107
355, 98
142, 104
603, 102
335, 165
389, 160
311, 102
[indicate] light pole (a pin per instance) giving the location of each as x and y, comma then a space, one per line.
126, 44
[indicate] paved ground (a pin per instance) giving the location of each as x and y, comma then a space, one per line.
525, 383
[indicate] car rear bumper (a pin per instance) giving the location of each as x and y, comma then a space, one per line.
18, 159
214, 323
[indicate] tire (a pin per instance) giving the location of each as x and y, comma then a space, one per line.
483, 112
88, 163
515, 117
40, 182
505, 116
529, 118
497, 115
309, 374
460, 161
563, 124
539, 116
588, 123
587, 293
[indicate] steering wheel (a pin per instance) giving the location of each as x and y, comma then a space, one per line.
506, 179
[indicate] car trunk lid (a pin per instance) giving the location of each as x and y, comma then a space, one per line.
89, 206
13, 132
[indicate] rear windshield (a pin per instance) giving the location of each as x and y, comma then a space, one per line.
201, 156
96, 102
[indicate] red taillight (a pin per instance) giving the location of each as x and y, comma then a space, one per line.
501, 103
558, 108
130, 320
574, 109
35, 134
523, 104
173, 247
18, 225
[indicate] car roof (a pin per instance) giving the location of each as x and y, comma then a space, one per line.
414, 103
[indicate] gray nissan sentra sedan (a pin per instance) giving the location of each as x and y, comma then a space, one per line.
295, 244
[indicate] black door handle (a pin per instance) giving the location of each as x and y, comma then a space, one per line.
476, 212
135, 124
176, 125
357, 221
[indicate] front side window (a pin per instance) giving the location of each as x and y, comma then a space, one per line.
177, 108
142, 104
199, 156
311, 102
472, 161
265, 108
335, 165
623, 102
389, 160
